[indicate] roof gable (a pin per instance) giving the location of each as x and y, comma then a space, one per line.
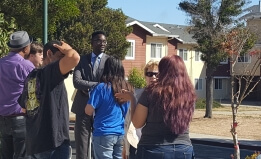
253, 12
178, 32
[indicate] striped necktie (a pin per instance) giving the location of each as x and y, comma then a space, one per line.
96, 67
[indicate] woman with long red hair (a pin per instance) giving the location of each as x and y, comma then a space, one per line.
165, 110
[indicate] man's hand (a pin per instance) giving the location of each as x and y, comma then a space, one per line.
70, 60
64, 48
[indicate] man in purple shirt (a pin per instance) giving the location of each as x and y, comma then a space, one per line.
13, 71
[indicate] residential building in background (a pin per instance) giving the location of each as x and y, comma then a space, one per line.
152, 40
253, 21
149, 41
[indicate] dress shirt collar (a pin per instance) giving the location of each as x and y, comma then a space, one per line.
94, 56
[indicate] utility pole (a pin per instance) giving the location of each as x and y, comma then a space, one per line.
45, 21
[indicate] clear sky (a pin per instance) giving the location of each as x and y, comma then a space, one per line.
162, 11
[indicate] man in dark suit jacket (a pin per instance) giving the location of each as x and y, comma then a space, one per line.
87, 75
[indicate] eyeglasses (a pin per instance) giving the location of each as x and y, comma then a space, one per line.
99, 42
151, 74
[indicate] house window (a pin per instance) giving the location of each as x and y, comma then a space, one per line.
131, 50
244, 58
218, 83
198, 84
183, 54
197, 55
156, 50
225, 61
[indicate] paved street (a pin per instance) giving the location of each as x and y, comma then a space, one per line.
72, 144
201, 151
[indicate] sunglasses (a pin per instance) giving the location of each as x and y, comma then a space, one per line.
151, 74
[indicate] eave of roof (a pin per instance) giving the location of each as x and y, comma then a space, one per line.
149, 30
171, 31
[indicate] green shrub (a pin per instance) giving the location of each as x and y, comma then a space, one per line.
201, 104
7, 27
136, 78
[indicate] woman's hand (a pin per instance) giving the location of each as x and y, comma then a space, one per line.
123, 154
125, 95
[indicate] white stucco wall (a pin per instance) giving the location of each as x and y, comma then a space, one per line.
195, 69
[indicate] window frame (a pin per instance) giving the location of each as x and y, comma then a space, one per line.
244, 57
197, 84
219, 84
133, 50
161, 52
183, 51
197, 56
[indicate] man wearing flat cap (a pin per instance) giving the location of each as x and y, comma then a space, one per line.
13, 71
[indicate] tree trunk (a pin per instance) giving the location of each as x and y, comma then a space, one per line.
209, 93
234, 113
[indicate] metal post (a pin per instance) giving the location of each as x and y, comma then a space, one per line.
45, 21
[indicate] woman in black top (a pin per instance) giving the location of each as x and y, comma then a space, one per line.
165, 108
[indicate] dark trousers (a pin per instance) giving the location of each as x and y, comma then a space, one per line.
82, 132
12, 133
61, 152
132, 152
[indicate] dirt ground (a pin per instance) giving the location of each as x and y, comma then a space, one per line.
249, 119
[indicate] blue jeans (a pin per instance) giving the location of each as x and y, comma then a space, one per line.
107, 147
12, 134
62, 152
165, 152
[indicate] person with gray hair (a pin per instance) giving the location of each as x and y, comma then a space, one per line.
13, 71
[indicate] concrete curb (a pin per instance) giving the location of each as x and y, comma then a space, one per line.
225, 144
222, 141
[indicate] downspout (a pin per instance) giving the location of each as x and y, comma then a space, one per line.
191, 62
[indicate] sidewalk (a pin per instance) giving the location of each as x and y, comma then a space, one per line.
228, 141
226, 102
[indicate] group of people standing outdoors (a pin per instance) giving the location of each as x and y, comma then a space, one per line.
34, 111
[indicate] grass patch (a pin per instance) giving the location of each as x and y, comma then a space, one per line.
201, 104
